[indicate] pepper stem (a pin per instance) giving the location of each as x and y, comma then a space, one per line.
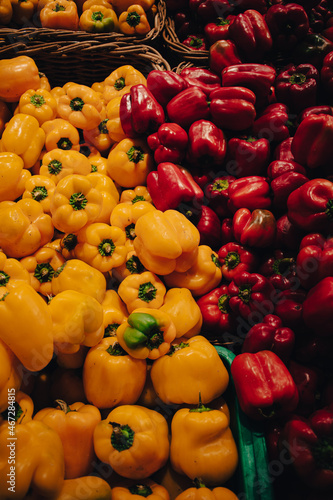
232, 260
119, 84
223, 303
200, 408
77, 104
147, 292
141, 489
39, 193
106, 247
44, 272
122, 436
329, 209
4, 278
78, 201
135, 154
133, 19
37, 100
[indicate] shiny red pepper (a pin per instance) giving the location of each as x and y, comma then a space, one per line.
308, 380
326, 73
169, 143
248, 155
273, 123
164, 85
254, 229
226, 230
232, 108
264, 386
314, 259
270, 335
283, 150
280, 268
196, 42
217, 194
206, 145
180, 108
250, 192
296, 86
236, 258
223, 53
288, 25
216, 314
218, 29
318, 308
209, 227
202, 78
289, 307
285, 178
287, 234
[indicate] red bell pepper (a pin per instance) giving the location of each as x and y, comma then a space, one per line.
273, 123
310, 207
323, 109
251, 35
283, 151
140, 113
280, 268
270, 335
318, 307
309, 444
289, 307
180, 108
250, 192
232, 108
308, 380
217, 194
314, 259
206, 145
280, 167
209, 227
283, 185
216, 314
263, 384
226, 231
287, 234
207, 10
312, 50
251, 296
218, 29
164, 85
248, 155
176, 184
254, 229
288, 25
196, 42
312, 144
202, 78
236, 258
169, 143
326, 73
296, 86
223, 53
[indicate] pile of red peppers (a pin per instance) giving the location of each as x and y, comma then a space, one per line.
244, 148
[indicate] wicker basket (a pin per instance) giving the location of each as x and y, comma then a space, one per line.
178, 52
85, 62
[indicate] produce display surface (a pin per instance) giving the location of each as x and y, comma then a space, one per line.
166, 277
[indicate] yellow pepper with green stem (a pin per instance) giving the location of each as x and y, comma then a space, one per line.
148, 489
58, 163
39, 103
61, 14
81, 106
99, 19
60, 134
142, 290
134, 21
120, 81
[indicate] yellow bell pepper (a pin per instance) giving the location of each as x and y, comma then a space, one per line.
99, 19
29, 333
134, 21
111, 377
131, 265
89, 3
166, 242
139, 193
41, 189
6, 11
99, 136
81, 106
120, 81
10, 376
20, 407
77, 320
201, 492
113, 124
75, 425
142, 290
60, 14
75, 203
101, 245
109, 192
44, 83
76, 275
126, 215
133, 440
13, 176
41, 266
35, 459
147, 333
85, 488
98, 164
24, 227
5, 113
202, 445
148, 489
24, 137
58, 163
16, 76
12, 271
184, 311
192, 367
122, 5
67, 246
114, 312
129, 162
39, 103
23, 11
204, 275
60, 134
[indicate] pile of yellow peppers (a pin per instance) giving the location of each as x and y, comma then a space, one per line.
129, 17
98, 284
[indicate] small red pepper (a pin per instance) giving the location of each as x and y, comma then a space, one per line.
280, 268
283, 185
318, 308
250, 192
288, 25
248, 155
236, 258
296, 86
196, 42
254, 229
218, 29
206, 145
314, 259
164, 85
169, 143
209, 227
223, 53
273, 123
216, 314
217, 194
289, 307
264, 386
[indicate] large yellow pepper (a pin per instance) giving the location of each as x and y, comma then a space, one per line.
166, 242
203, 276
58, 163
202, 445
10, 376
109, 192
77, 320
129, 162
111, 377
131, 265
120, 81
24, 227
24, 137
75, 274
34, 460
191, 367
39, 103
85, 488
41, 266
133, 440
75, 425
75, 203
142, 290
101, 245
12, 271
201, 492
60, 134
16, 76
184, 311
113, 124
81, 106
99, 136
13, 176
23, 11
6, 12
125, 215
61, 14
148, 489
138, 193
41, 189
134, 21
99, 19
147, 333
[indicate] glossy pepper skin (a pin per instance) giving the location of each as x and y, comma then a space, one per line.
285, 177
206, 146
232, 108
216, 313
39, 103
18, 75
200, 491
252, 192
134, 21
142, 290
209, 227
120, 80
254, 229
147, 489
99, 20
57, 163
270, 335
81, 106
169, 143
296, 86
310, 206
223, 53
288, 25
218, 29
217, 194
310, 440
164, 85
317, 307
236, 258
248, 155
206, 79
60, 14
279, 266
312, 49
14, 176
184, 101
263, 385
273, 123
176, 302
314, 259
